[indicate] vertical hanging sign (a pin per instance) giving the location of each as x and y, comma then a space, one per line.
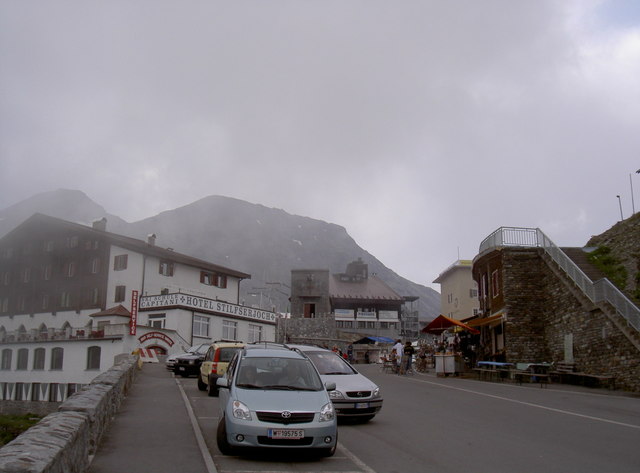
134, 313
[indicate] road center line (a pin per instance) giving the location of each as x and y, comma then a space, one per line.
530, 404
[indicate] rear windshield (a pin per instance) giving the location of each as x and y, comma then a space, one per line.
278, 374
329, 363
227, 353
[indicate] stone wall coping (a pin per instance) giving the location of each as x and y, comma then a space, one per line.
63, 441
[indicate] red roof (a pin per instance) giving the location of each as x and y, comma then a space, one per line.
117, 310
371, 288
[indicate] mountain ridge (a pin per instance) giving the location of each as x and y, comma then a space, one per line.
262, 241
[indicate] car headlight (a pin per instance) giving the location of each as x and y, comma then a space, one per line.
327, 413
335, 394
376, 392
240, 411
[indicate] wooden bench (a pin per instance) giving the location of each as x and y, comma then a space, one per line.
542, 378
490, 375
565, 373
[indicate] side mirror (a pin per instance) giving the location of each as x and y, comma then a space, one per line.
223, 382
331, 386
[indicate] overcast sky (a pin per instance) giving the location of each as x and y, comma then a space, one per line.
420, 126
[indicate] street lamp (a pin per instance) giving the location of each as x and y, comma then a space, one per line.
620, 202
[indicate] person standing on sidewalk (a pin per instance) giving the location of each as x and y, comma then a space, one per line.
407, 357
398, 349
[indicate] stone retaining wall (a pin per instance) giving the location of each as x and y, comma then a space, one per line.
63, 441
543, 308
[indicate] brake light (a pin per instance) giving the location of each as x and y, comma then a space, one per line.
214, 368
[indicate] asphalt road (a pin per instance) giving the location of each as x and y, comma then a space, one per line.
453, 425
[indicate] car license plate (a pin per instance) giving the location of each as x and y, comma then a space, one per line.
362, 405
286, 433
180, 368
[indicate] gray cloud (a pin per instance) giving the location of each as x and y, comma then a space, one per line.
420, 126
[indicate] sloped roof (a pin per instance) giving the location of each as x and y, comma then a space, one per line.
117, 310
128, 243
371, 288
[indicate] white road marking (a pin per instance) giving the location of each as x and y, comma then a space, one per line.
530, 404
206, 456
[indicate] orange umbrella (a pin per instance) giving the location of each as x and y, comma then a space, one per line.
442, 323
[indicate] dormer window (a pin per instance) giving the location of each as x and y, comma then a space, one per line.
213, 279
166, 268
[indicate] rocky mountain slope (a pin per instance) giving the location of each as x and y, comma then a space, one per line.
623, 241
264, 242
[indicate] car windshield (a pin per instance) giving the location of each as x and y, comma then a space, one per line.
278, 374
329, 363
198, 349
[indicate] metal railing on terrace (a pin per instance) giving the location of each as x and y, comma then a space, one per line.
599, 291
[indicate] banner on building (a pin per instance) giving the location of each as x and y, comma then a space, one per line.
134, 313
343, 314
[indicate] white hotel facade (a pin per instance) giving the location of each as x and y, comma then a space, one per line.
73, 298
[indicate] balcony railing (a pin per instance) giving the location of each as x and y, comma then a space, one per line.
53, 334
600, 291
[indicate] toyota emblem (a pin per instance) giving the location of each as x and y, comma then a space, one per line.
285, 414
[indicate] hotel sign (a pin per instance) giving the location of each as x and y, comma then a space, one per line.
202, 304
159, 335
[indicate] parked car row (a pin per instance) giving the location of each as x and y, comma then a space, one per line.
171, 360
275, 395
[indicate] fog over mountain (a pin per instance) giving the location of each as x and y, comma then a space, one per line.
264, 242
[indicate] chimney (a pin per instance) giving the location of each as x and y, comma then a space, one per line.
151, 239
100, 224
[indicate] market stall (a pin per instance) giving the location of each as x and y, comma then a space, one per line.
448, 359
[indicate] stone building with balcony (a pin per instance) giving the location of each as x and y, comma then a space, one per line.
542, 303
347, 306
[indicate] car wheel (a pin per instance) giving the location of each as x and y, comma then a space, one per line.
329, 452
213, 388
201, 385
221, 439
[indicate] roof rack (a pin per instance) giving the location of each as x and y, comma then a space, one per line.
265, 344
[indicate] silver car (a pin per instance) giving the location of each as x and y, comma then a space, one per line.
272, 396
355, 395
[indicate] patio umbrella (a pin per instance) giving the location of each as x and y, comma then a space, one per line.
442, 323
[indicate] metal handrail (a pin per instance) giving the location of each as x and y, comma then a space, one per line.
600, 291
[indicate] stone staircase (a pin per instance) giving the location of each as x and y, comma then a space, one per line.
579, 257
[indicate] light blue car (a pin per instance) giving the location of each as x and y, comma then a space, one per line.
272, 396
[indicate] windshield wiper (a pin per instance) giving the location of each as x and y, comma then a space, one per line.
336, 372
285, 387
249, 386
279, 386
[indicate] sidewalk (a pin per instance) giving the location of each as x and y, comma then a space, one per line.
152, 431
